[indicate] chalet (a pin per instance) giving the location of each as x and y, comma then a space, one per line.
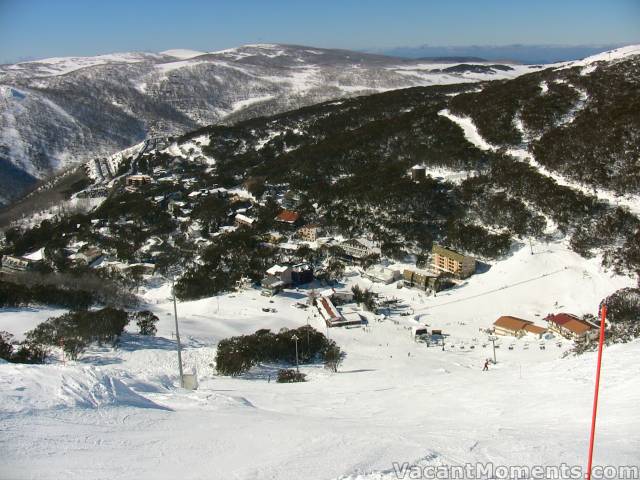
358, 248
291, 200
338, 296
301, 274
424, 280
244, 221
449, 261
12, 264
571, 327
288, 217
271, 286
89, 256
328, 311
377, 273
276, 278
309, 233
282, 272
135, 181
334, 317
516, 327
418, 172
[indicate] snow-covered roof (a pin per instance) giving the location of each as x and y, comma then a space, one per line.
35, 256
243, 218
276, 269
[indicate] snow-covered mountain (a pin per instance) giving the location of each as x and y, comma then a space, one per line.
60, 111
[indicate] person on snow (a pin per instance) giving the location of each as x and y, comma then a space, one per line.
486, 366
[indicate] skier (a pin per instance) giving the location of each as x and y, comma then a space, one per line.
486, 365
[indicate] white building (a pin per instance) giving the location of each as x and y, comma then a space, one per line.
378, 273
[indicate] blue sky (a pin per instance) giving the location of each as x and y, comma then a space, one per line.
45, 28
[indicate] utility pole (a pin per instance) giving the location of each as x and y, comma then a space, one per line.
295, 337
175, 315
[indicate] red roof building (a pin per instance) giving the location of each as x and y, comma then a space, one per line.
288, 216
561, 318
571, 326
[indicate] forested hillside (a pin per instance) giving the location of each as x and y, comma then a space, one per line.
581, 121
347, 163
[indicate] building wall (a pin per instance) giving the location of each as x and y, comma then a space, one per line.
462, 269
507, 332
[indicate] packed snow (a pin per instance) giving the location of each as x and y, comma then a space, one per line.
119, 413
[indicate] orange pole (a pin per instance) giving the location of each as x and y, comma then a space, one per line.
603, 316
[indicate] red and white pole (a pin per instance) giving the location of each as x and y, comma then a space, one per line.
603, 317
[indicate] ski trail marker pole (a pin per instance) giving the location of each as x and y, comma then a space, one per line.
603, 316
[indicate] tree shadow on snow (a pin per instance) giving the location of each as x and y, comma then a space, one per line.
129, 343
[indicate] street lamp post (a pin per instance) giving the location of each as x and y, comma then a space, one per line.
295, 337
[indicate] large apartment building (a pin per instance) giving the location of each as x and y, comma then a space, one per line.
450, 261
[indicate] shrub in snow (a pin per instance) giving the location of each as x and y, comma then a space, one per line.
73, 331
73, 347
288, 375
30, 352
6, 348
17, 295
333, 356
26, 353
237, 355
146, 322
624, 305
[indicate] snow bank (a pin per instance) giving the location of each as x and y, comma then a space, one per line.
25, 388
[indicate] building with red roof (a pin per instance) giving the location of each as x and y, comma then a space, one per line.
570, 326
288, 216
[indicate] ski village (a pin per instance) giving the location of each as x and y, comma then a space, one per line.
211, 306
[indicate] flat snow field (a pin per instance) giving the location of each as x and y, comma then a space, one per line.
117, 414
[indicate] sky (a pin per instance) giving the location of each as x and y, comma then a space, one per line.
32, 29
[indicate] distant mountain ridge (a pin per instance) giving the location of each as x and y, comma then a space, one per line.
527, 54
57, 112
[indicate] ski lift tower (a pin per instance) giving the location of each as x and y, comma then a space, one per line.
492, 339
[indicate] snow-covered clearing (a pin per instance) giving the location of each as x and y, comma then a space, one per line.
470, 130
18, 321
118, 413
182, 53
242, 104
